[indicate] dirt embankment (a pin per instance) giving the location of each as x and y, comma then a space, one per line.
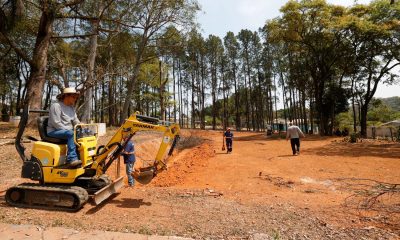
258, 190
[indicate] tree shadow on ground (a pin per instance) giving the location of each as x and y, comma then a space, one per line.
310, 138
8, 130
253, 137
363, 149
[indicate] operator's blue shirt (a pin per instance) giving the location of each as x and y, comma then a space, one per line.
130, 148
228, 136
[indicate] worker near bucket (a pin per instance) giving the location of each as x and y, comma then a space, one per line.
228, 136
129, 160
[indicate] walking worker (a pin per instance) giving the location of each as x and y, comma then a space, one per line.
129, 160
293, 132
62, 119
228, 135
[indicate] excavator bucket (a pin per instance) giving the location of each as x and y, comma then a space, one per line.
109, 190
144, 175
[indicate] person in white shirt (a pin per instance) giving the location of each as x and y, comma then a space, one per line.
294, 132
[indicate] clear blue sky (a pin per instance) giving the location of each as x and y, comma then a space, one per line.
220, 16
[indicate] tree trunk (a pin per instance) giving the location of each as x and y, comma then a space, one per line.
237, 101
193, 120
303, 95
37, 78
275, 99
180, 93
87, 106
173, 77
284, 104
312, 115
111, 101
48, 96
19, 97
290, 104
161, 92
363, 122
103, 96
187, 108
225, 117
247, 104
353, 104
131, 82
214, 96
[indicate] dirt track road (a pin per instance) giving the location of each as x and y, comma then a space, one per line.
258, 190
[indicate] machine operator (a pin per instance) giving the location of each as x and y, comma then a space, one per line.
62, 119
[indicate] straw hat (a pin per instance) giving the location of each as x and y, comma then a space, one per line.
67, 91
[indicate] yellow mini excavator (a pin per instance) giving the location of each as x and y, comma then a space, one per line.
62, 187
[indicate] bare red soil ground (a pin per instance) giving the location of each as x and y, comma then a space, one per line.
258, 190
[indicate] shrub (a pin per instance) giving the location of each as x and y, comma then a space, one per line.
353, 137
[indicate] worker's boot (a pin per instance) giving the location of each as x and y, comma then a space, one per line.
75, 163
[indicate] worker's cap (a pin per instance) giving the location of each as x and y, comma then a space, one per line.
228, 129
68, 91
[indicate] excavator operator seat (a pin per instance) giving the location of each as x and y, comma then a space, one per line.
42, 125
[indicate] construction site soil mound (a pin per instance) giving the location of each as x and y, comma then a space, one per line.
260, 190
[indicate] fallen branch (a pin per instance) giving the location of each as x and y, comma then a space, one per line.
277, 181
369, 194
7, 143
11, 142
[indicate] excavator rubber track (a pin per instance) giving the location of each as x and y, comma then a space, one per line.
55, 197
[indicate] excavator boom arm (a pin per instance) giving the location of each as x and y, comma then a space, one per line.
136, 123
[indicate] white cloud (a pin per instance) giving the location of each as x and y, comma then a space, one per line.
385, 91
254, 13
251, 8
